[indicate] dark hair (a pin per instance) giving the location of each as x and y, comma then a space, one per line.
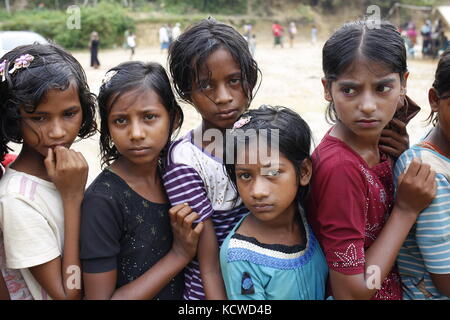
126, 77
188, 53
294, 138
52, 68
441, 81
383, 45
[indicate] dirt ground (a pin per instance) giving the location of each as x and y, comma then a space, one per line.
290, 77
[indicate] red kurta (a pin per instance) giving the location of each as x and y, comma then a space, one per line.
348, 205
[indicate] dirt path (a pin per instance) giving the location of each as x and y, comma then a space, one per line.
291, 77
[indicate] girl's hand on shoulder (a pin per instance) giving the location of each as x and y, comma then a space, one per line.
68, 170
395, 140
185, 237
416, 188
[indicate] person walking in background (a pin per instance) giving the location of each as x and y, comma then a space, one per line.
292, 32
93, 46
176, 31
131, 43
163, 38
425, 31
277, 31
411, 34
125, 39
313, 34
252, 44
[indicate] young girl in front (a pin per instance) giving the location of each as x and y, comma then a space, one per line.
272, 252
351, 207
424, 259
213, 70
132, 245
45, 104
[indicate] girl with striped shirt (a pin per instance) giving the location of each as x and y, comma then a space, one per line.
424, 259
213, 70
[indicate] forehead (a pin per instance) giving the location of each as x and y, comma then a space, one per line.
363, 69
136, 99
56, 99
256, 151
220, 61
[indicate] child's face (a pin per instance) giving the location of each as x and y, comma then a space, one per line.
442, 107
365, 97
55, 122
268, 188
139, 126
219, 98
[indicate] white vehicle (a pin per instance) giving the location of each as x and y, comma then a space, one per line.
11, 39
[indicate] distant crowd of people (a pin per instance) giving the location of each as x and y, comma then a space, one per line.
434, 40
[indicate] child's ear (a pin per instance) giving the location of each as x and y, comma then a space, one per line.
305, 172
433, 99
327, 90
404, 81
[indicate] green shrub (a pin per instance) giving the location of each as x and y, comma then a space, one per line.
108, 19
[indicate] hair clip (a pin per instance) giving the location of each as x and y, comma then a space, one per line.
108, 76
241, 122
22, 62
2, 70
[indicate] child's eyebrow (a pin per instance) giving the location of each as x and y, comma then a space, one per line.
73, 108
386, 81
235, 74
349, 83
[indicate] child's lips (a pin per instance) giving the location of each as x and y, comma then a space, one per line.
263, 207
228, 114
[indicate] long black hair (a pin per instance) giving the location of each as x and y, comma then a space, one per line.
130, 76
382, 44
52, 68
188, 53
293, 137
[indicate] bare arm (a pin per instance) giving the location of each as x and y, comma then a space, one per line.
208, 257
442, 283
417, 189
61, 277
103, 285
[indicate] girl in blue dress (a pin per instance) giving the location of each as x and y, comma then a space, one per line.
272, 252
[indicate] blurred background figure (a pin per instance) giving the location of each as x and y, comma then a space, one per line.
313, 34
93, 46
163, 38
425, 32
247, 31
131, 43
277, 31
411, 39
125, 39
292, 32
176, 31
252, 44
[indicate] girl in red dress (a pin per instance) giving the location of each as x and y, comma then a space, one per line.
351, 208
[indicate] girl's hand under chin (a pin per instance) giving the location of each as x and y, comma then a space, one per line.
68, 170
